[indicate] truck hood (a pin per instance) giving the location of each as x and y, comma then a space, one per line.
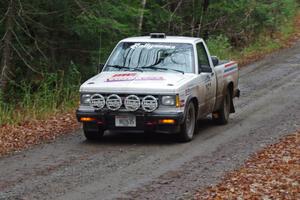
136, 82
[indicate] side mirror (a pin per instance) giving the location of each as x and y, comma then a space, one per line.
100, 67
206, 69
215, 60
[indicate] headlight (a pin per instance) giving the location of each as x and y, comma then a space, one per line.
85, 99
168, 100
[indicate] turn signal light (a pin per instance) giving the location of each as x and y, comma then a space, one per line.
87, 119
177, 101
167, 121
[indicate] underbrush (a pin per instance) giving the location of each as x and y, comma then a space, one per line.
58, 92
263, 44
27, 101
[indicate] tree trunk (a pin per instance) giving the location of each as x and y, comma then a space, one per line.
205, 9
205, 5
173, 13
193, 19
6, 61
141, 21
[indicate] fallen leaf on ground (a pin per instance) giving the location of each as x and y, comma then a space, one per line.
273, 173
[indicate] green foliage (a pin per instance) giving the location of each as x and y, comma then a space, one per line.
262, 44
220, 46
58, 92
242, 21
104, 24
57, 44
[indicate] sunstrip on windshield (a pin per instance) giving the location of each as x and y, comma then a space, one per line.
230, 69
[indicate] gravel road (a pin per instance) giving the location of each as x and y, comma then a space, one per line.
141, 166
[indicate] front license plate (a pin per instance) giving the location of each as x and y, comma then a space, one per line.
125, 121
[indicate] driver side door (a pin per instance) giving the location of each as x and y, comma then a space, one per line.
208, 77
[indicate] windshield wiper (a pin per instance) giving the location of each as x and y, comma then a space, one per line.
161, 68
123, 67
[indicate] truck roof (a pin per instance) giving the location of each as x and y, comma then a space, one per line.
167, 39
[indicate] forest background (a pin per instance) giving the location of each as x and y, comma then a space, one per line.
48, 48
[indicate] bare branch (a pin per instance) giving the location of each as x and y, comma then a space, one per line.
21, 45
3, 71
21, 15
175, 10
5, 15
4, 35
23, 29
5, 75
173, 13
45, 13
166, 5
23, 59
38, 23
83, 9
21, 8
6, 56
1, 20
141, 20
24, 23
28, 34
38, 48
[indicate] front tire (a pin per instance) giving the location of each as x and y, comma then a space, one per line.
92, 135
187, 129
221, 117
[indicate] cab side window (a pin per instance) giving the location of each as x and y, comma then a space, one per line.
203, 62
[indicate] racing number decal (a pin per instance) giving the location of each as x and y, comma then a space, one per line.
207, 83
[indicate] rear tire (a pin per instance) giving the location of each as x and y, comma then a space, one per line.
187, 129
221, 117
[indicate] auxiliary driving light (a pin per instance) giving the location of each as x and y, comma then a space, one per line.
132, 103
149, 103
97, 101
113, 102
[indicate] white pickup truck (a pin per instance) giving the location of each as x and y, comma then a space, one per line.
158, 83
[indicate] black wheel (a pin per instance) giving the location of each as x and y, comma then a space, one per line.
187, 129
92, 134
221, 117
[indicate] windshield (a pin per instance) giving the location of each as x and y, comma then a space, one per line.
152, 56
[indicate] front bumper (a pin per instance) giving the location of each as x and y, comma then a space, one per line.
144, 121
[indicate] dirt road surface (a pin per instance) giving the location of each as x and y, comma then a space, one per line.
141, 166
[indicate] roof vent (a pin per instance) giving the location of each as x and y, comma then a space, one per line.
157, 35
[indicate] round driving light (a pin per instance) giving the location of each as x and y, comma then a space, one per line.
132, 103
97, 101
113, 102
149, 103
